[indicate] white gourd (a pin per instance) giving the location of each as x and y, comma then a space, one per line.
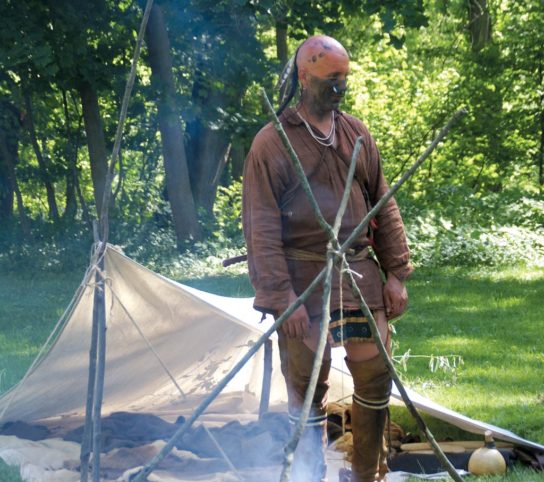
487, 460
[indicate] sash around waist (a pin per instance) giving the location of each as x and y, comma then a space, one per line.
352, 255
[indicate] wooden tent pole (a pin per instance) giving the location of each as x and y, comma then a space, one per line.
267, 378
104, 225
88, 429
97, 354
99, 324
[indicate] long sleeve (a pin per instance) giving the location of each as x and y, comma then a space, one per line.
261, 216
390, 243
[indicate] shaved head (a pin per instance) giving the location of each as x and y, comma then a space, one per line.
320, 56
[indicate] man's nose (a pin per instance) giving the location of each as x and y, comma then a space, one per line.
340, 87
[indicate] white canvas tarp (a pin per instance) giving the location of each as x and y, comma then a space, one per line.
197, 337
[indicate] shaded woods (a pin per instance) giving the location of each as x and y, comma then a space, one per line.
194, 112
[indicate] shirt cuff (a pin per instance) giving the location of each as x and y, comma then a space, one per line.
403, 273
272, 302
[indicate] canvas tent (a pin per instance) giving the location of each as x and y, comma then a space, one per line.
168, 345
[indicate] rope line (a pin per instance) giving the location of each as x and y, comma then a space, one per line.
147, 342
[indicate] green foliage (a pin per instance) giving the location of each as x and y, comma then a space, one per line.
456, 227
412, 66
48, 251
227, 211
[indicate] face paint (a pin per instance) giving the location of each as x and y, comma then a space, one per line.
339, 87
323, 66
321, 55
326, 94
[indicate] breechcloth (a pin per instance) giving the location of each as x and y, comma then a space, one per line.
346, 325
349, 326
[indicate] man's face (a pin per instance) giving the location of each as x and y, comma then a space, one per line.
326, 90
326, 93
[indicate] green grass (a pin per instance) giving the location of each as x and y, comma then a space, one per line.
236, 285
492, 318
30, 306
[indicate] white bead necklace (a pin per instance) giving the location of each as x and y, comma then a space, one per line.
327, 140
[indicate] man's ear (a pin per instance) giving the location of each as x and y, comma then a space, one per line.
302, 77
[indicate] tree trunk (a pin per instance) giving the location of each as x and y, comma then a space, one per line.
281, 38
96, 142
479, 24
9, 144
6, 193
237, 159
86, 215
10, 160
541, 118
71, 168
207, 152
44, 168
178, 184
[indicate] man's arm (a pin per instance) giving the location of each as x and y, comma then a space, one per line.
261, 215
390, 243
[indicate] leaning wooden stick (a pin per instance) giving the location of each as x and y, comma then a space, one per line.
407, 175
104, 213
306, 406
391, 369
86, 443
99, 310
358, 230
98, 340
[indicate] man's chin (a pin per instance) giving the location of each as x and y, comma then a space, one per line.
335, 103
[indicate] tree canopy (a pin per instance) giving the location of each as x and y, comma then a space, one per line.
196, 106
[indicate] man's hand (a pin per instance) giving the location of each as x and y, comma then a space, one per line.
395, 297
298, 324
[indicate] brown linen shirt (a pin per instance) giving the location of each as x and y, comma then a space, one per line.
277, 214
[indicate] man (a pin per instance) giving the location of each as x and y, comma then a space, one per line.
286, 250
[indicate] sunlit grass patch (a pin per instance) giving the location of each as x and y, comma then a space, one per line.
517, 474
493, 320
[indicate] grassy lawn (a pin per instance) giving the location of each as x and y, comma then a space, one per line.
491, 318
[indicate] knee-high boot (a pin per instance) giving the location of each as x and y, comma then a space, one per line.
309, 464
372, 389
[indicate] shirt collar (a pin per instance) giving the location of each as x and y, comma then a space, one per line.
290, 115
